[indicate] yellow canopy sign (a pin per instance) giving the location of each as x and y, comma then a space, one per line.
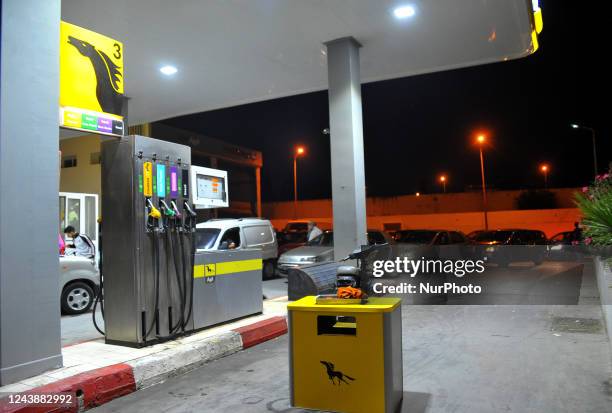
91, 81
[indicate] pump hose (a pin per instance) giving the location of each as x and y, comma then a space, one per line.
189, 272
156, 270
99, 299
181, 289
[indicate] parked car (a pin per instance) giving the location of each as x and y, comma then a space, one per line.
295, 232
429, 237
80, 282
564, 246
505, 246
431, 244
246, 233
470, 236
320, 249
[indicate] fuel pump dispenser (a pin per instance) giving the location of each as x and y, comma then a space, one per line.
157, 285
149, 226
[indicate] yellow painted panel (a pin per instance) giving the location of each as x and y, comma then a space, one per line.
87, 58
238, 266
374, 305
539, 20
198, 271
535, 45
147, 179
337, 372
223, 268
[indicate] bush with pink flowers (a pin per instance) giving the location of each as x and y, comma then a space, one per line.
595, 203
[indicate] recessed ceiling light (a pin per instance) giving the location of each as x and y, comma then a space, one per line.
403, 12
168, 70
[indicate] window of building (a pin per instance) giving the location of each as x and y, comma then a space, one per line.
69, 161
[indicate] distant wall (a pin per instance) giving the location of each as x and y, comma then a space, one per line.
411, 204
85, 177
551, 221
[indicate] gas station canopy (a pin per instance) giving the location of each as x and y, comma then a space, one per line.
233, 52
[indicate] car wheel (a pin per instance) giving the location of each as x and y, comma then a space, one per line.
77, 298
268, 270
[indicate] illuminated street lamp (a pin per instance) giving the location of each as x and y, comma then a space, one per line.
442, 180
481, 139
544, 168
576, 126
299, 151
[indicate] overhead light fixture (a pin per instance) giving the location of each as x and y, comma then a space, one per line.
168, 70
403, 12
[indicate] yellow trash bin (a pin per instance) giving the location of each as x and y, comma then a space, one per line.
346, 358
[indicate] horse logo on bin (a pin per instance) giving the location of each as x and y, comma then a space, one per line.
334, 374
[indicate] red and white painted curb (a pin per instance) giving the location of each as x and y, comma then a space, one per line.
96, 387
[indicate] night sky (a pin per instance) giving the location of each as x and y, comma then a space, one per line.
419, 127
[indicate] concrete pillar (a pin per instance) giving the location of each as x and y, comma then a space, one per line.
29, 185
258, 189
346, 142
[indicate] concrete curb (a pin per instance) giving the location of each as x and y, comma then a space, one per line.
96, 387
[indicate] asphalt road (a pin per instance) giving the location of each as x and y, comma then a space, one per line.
455, 359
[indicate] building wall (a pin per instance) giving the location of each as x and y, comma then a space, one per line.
85, 177
551, 221
412, 205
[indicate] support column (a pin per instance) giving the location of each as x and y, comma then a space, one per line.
346, 142
29, 182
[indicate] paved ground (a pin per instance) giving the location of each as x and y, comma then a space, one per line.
456, 359
77, 329
486, 358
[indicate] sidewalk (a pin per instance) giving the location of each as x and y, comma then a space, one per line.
100, 372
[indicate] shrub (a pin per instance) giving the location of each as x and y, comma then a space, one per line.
595, 203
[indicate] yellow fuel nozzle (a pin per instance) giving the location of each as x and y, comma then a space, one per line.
154, 213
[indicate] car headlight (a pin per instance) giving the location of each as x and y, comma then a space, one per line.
490, 249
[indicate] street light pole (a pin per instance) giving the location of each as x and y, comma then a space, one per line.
295, 196
443, 181
298, 152
576, 126
544, 168
484, 191
594, 151
480, 140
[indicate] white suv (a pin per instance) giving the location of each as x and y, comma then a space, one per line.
247, 233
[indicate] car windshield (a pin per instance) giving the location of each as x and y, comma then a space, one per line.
416, 237
493, 236
205, 238
326, 239
296, 227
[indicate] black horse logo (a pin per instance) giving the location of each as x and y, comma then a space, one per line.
333, 375
107, 76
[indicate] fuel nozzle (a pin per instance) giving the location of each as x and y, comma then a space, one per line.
153, 216
166, 213
175, 209
189, 221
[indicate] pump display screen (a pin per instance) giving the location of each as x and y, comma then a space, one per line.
210, 187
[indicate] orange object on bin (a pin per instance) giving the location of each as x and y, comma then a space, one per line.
349, 292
